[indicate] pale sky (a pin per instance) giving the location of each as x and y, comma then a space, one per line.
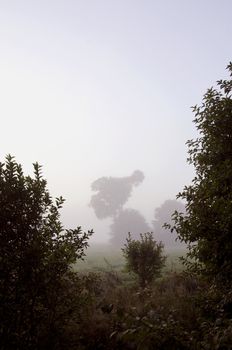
93, 88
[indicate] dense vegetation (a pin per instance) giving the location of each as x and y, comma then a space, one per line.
207, 227
37, 285
44, 304
144, 257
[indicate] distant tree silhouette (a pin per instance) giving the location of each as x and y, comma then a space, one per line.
113, 193
163, 215
127, 220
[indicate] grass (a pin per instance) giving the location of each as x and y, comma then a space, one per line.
105, 257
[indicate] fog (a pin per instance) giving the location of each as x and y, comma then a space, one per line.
110, 200
94, 90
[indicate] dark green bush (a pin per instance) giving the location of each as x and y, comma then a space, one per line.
37, 286
144, 257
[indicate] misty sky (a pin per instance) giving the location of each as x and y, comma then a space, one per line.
93, 88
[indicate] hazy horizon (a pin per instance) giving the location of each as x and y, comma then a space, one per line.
94, 89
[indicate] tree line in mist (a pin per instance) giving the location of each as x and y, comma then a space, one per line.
112, 193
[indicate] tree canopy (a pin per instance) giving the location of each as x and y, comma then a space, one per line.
163, 214
113, 193
36, 255
144, 257
127, 220
207, 225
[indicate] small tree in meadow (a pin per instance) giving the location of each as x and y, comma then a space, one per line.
144, 257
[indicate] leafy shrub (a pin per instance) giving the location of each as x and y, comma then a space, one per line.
206, 225
144, 257
37, 286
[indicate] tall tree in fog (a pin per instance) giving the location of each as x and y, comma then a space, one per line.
163, 215
113, 193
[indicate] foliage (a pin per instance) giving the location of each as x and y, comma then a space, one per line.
144, 257
179, 311
36, 254
165, 315
207, 226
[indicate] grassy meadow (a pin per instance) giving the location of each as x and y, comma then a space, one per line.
103, 257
